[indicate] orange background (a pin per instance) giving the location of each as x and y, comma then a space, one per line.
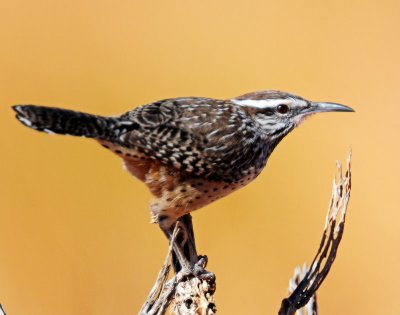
75, 236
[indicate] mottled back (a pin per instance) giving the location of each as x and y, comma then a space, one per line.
200, 136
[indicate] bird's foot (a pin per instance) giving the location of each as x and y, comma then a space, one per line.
200, 271
197, 270
186, 262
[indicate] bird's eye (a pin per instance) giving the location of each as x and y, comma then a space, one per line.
282, 108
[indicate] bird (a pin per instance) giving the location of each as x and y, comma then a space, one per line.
189, 151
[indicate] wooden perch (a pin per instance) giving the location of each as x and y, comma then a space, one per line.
306, 281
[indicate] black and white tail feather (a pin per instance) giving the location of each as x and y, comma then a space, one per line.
68, 122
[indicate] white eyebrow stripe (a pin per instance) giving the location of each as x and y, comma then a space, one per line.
262, 104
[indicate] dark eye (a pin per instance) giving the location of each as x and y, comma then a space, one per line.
282, 109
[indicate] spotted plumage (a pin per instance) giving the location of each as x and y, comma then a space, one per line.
189, 151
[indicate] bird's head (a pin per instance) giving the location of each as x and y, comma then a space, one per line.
277, 113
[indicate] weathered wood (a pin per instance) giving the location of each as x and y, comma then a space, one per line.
306, 282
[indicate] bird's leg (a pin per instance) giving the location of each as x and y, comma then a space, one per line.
189, 244
184, 257
180, 257
197, 262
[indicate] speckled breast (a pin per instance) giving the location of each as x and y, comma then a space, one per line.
176, 193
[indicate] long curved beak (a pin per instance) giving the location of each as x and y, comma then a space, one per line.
320, 107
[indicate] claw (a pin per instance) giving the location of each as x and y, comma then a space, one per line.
202, 261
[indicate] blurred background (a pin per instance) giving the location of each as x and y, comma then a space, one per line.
75, 236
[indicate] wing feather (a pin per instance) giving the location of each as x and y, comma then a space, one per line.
202, 137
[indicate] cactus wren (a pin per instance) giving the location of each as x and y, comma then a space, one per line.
189, 151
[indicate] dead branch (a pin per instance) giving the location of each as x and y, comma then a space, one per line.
311, 307
306, 281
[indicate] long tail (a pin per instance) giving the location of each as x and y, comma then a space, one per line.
67, 122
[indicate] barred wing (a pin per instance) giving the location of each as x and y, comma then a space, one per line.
206, 137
